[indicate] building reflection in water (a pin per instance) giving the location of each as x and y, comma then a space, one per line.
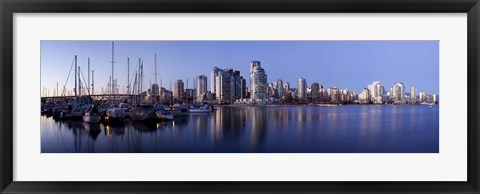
228, 125
290, 129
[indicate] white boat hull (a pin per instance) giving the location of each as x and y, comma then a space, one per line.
91, 118
200, 111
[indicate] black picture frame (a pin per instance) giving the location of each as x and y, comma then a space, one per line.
9, 7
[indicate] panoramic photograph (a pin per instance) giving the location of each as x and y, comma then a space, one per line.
239, 96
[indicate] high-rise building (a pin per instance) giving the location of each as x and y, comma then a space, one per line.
376, 90
334, 94
286, 87
364, 97
398, 93
201, 82
302, 88
235, 91
227, 80
258, 81
178, 89
422, 96
315, 91
279, 91
413, 93
213, 83
243, 87
223, 85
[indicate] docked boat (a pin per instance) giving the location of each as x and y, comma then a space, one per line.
201, 109
143, 112
164, 114
328, 104
179, 110
114, 115
72, 112
92, 115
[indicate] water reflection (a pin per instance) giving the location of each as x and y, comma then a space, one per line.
291, 129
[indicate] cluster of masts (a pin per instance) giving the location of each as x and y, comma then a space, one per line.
112, 86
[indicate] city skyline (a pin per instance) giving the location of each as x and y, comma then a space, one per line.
417, 59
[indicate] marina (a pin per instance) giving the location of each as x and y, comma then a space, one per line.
229, 112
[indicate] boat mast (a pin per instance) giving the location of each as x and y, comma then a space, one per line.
141, 77
112, 77
156, 90
128, 76
75, 88
79, 83
93, 83
88, 82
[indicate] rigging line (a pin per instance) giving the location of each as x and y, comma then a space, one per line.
69, 72
84, 82
123, 73
130, 81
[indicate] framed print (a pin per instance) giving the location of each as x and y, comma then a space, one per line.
239, 96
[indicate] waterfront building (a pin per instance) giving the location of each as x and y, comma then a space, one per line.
286, 88
302, 88
334, 94
376, 92
178, 89
345, 95
227, 80
413, 93
223, 86
165, 96
213, 83
236, 80
364, 96
279, 91
315, 93
324, 93
422, 96
434, 98
243, 87
201, 82
258, 82
398, 93
271, 90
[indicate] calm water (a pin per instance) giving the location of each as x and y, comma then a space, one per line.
272, 129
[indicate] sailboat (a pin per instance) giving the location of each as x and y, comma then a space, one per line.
113, 114
91, 115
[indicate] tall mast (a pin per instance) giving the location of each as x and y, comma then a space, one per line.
155, 68
156, 90
75, 77
138, 73
128, 76
88, 86
141, 77
93, 83
79, 83
112, 78
186, 94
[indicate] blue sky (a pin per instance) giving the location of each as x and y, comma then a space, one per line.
345, 64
